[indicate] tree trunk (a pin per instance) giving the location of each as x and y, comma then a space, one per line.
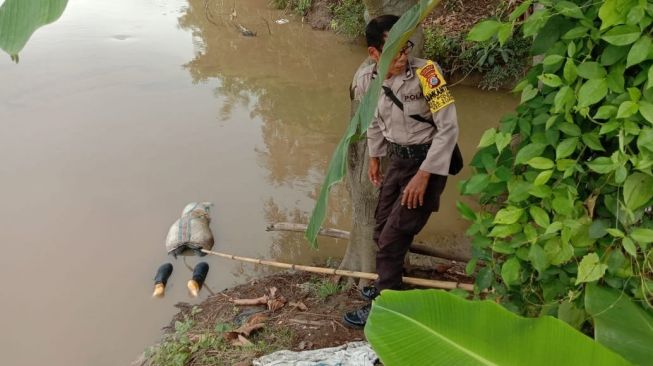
361, 250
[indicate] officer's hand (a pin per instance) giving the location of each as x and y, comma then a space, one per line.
374, 172
413, 194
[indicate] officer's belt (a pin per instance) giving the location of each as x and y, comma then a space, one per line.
413, 152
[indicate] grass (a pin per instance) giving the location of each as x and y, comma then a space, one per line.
188, 346
324, 288
301, 7
348, 18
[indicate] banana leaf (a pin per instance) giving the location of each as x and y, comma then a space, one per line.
620, 324
397, 37
19, 19
433, 327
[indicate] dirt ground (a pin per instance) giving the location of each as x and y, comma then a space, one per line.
301, 314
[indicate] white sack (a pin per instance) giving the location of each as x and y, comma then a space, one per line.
191, 232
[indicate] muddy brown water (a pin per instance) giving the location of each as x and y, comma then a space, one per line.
122, 112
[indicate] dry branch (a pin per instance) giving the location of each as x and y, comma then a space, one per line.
342, 234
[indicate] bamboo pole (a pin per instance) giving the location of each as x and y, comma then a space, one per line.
342, 234
447, 285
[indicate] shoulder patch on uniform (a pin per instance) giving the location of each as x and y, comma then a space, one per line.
434, 86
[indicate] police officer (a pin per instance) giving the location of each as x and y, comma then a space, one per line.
416, 126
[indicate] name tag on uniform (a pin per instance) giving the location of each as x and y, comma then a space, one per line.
434, 87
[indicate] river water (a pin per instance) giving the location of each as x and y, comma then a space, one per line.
123, 111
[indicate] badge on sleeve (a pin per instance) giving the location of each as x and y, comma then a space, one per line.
434, 87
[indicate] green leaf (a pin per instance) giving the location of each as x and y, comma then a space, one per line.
646, 110
528, 152
591, 70
639, 51
557, 252
613, 54
571, 49
569, 72
570, 314
538, 258
591, 139
562, 99
614, 12
570, 129
488, 138
615, 233
590, 269
620, 324
19, 19
528, 93
629, 246
642, 235
622, 35
476, 184
511, 271
501, 140
635, 15
504, 231
602, 165
508, 215
605, 112
535, 22
553, 228
465, 211
645, 140
483, 31
505, 31
542, 178
397, 37
592, 92
518, 190
566, 147
540, 216
520, 10
638, 190
569, 9
541, 163
433, 327
627, 109
551, 80
552, 60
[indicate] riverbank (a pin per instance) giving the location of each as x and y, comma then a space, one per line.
487, 65
294, 311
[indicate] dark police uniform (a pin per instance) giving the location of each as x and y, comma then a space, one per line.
411, 144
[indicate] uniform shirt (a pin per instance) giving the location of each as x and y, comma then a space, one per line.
392, 124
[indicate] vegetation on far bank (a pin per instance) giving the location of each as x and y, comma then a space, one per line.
445, 33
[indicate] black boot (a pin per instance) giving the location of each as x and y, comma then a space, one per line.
369, 293
358, 318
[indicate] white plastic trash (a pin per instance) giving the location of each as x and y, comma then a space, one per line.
191, 232
352, 354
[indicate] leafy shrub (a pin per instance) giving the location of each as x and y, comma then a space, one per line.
565, 184
300, 7
348, 18
498, 64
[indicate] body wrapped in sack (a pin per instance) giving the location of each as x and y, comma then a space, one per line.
191, 232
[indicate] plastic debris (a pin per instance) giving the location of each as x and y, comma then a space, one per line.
353, 353
282, 21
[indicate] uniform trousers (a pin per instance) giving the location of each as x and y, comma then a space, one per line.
396, 225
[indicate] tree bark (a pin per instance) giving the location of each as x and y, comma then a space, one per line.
361, 249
